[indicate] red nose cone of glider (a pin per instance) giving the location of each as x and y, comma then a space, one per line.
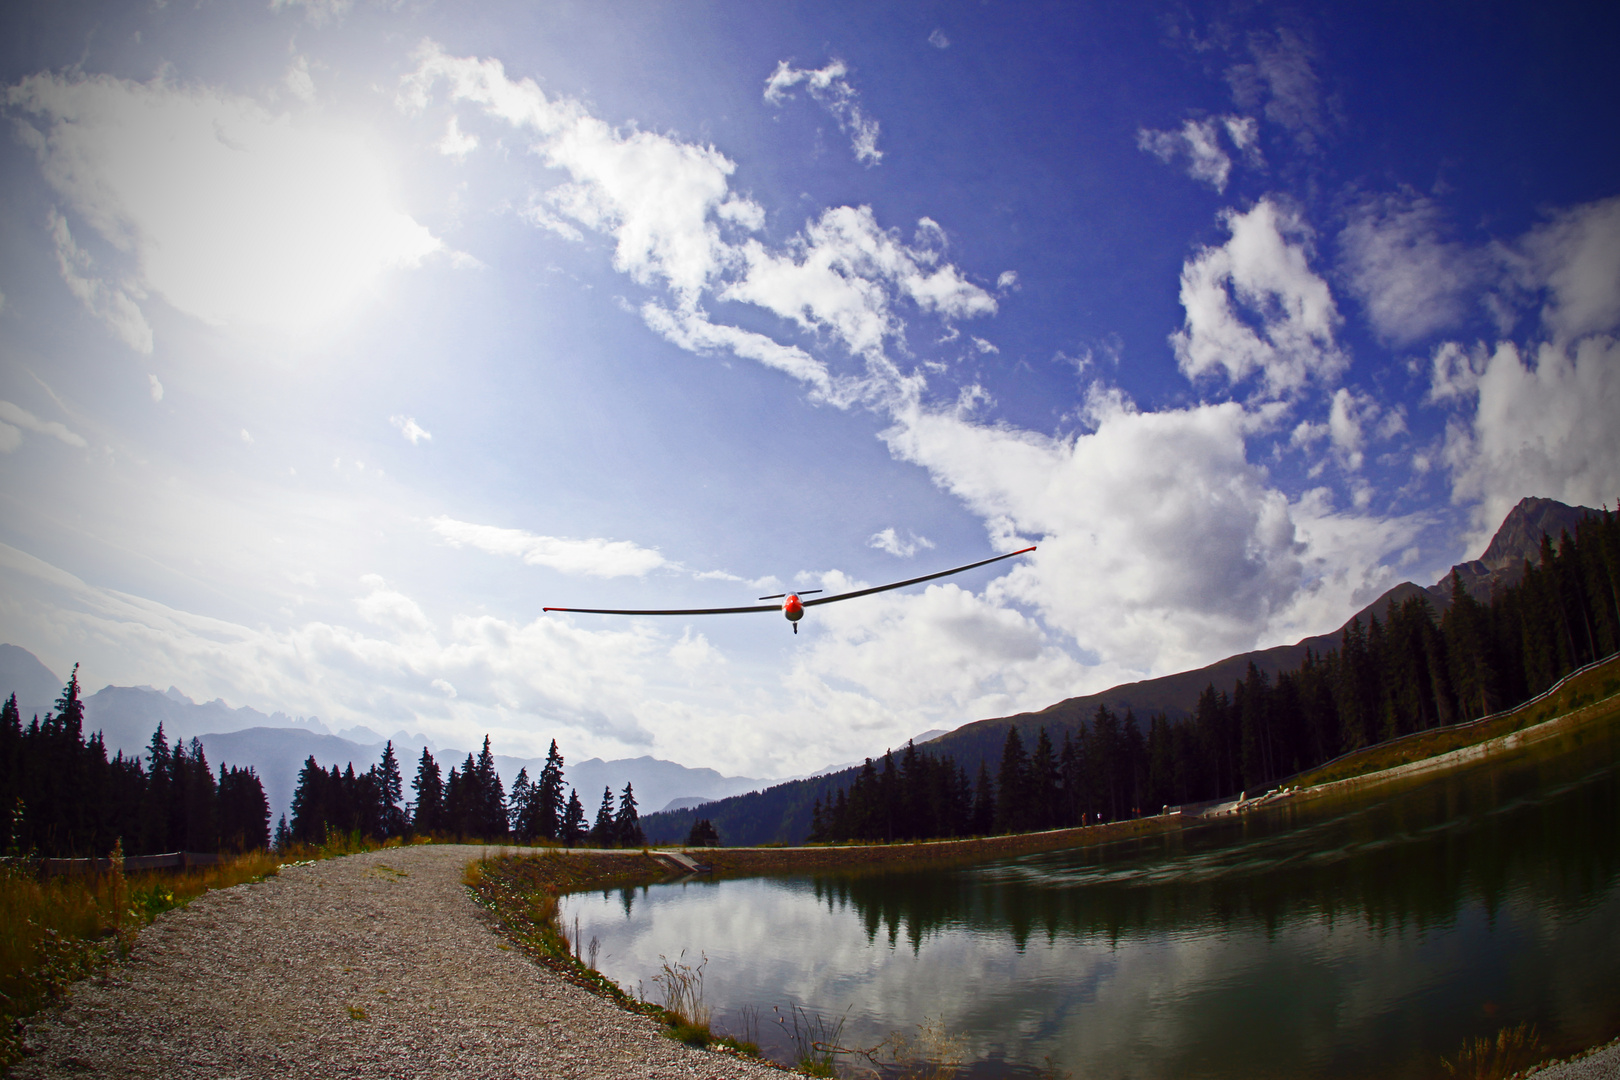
793, 608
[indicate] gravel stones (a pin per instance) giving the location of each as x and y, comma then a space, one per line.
373, 965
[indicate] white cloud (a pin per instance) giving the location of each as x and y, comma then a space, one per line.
938, 39
1199, 142
245, 217
1008, 279
837, 276
1576, 258
17, 419
676, 223
663, 201
413, 432
1280, 79
1538, 423
889, 540
108, 302
298, 81
830, 86
1411, 281
592, 558
246, 436
318, 12
457, 143
156, 388
694, 332
1265, 268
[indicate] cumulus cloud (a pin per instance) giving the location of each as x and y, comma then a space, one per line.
1262, 272
592, 558
1575, 257
837, 277
830, 86
1530, 422
1161, 546
245, 217
414, 433
1199, 141
889, 540
1410, 280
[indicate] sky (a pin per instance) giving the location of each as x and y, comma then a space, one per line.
338, 338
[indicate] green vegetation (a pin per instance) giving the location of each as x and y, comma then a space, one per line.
56, 930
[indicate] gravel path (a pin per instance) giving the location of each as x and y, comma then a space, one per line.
375, 965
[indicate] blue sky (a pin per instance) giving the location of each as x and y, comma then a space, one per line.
339, 338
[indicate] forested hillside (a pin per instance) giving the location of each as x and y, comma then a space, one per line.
1404, 672
61, 796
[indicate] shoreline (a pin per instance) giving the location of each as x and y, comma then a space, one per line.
1511, 733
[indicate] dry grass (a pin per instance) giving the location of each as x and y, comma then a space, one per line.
1514, 1050
56, 930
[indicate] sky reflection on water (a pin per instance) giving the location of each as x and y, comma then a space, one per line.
1324, 940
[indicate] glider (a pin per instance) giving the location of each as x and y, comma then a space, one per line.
791, 606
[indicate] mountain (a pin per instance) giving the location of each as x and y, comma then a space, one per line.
782, 813
22, 674
127, 716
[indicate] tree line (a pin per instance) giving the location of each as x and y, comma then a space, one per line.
470, 803
60, 795
1406, 673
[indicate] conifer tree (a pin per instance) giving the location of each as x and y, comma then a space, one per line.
572, 830
390, 792
520, 806
602, 833
549, 805
428, 811
626, 824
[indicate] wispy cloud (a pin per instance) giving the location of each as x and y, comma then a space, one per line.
414, 433
591, 558
1199, 141
830, 86
14, 420
889, 540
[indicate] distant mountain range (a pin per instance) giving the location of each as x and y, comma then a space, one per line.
276, 745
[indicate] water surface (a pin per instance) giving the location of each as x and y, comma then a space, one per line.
1332, 939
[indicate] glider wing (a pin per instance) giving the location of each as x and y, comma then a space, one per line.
916, 580
689, 611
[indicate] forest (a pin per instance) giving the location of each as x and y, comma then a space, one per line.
62, 797
1408, 672
471, 803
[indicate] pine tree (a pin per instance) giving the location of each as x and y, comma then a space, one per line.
572, 830
520, 806
491, 800
1012, 785
549, 805
626, 825
284, 836
602, 833
428, 812
390, 791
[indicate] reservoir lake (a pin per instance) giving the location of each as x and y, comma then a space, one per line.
1348, 937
